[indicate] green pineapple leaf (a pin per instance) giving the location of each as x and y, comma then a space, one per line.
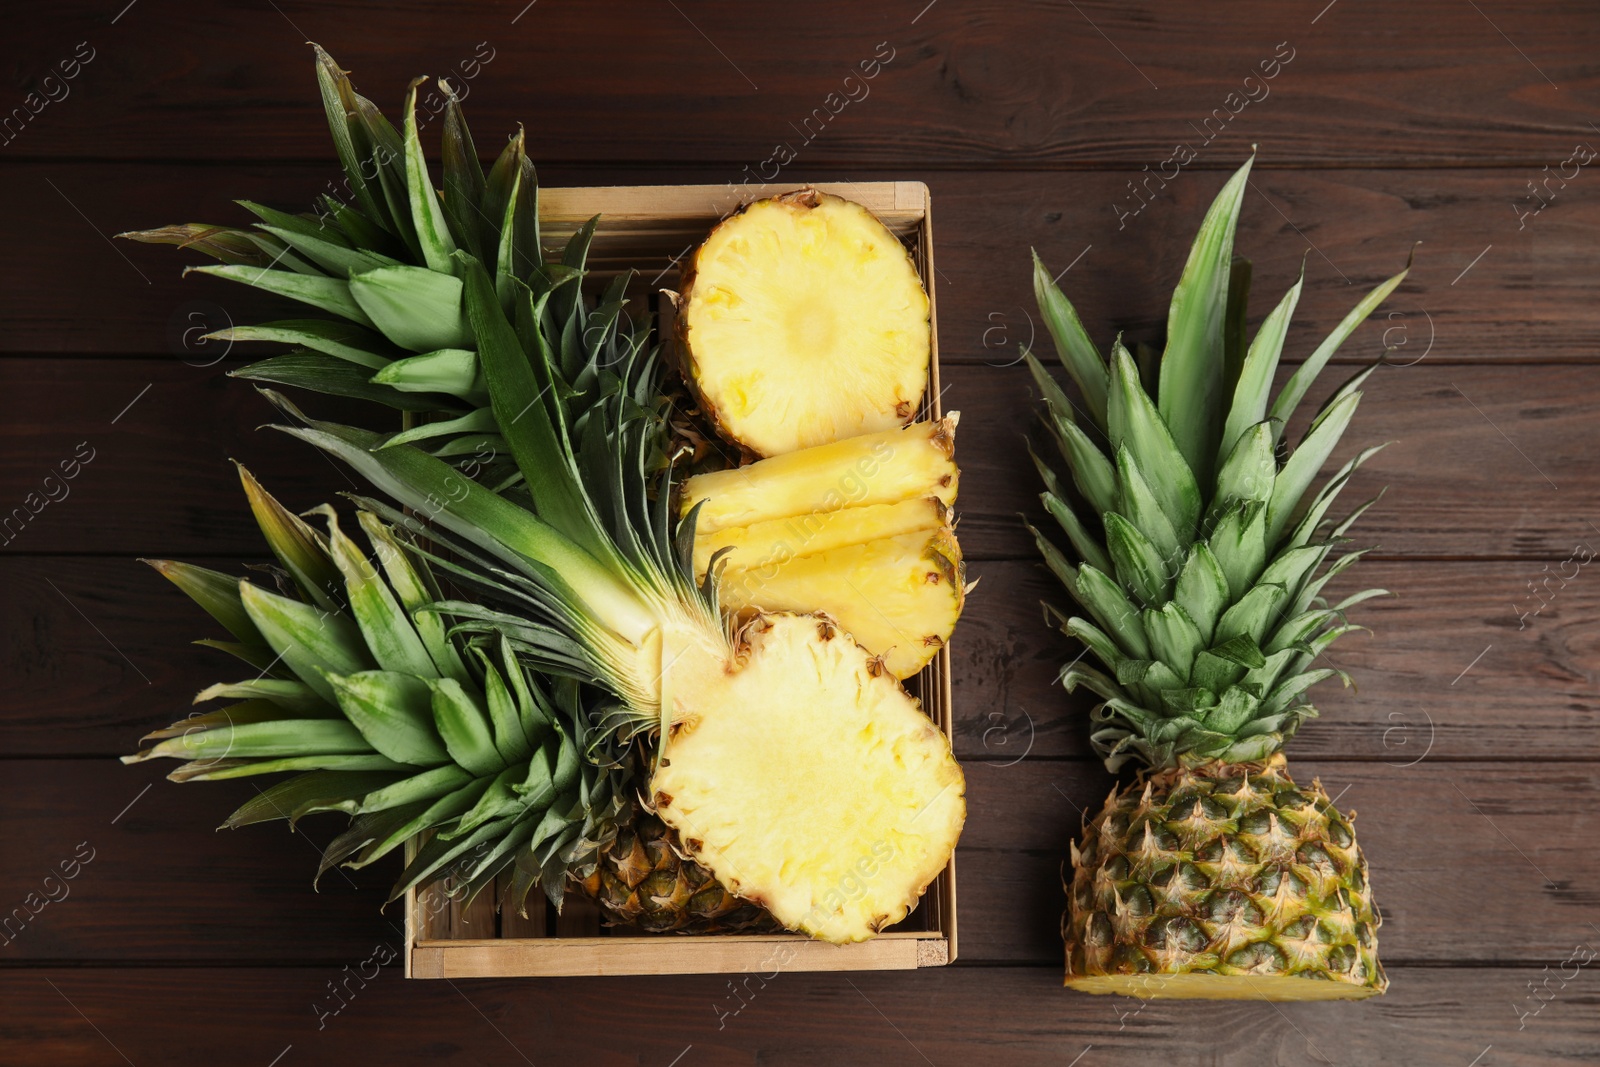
1077, 353
1192, 365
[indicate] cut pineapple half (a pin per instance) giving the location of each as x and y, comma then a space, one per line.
763, 546
899, 597
880, 468
810, 782
803, 322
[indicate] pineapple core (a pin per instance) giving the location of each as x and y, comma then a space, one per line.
810, 782
803, 322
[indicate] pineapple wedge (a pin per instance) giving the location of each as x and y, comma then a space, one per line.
804, 322
899, 597
764, 546
858, 529
879, 468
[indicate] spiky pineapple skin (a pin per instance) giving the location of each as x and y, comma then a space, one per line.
641, 879
1225, 870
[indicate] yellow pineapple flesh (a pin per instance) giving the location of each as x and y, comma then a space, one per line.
807, 779
803, 321
880, 468
899, 597
764, 546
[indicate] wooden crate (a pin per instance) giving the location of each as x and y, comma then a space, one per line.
652, 230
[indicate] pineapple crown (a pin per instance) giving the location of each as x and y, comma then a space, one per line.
543, 462
1197, 550
388, 255
406, 726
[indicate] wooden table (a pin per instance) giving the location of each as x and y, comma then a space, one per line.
1470, 749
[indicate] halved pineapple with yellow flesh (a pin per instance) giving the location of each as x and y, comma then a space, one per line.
879, 468
899, 597
811, 782
803, 321
763, 546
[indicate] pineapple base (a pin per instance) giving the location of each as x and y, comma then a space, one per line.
1278, 987
1213, 880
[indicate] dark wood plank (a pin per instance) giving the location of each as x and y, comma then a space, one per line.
161, 886
1531, 692
151, 441
970, 1016
1432, 81
1482, 461
1457, 666
1526, 299
1482, 862
161, 883
1487, 461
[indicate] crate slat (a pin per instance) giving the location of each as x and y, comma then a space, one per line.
669, 954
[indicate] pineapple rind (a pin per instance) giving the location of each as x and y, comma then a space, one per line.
804, 321
899, 597
642, 880
879, 468
1221, 870
811, 783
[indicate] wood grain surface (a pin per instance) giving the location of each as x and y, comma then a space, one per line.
1522, 301
1469, 744
1473, 862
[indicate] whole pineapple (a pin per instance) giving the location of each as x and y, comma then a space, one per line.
1200, 557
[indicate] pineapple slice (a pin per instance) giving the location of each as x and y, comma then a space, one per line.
803, 322
899, 597
880, 468
773, 543
810, 782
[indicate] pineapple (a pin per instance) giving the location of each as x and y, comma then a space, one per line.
427, 744
844, 529
802, 732
898, 596
543, 476
815, 745
1198, 553
881, 468
771, 543
388, 718
802, 321
1213, 870
642, 881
